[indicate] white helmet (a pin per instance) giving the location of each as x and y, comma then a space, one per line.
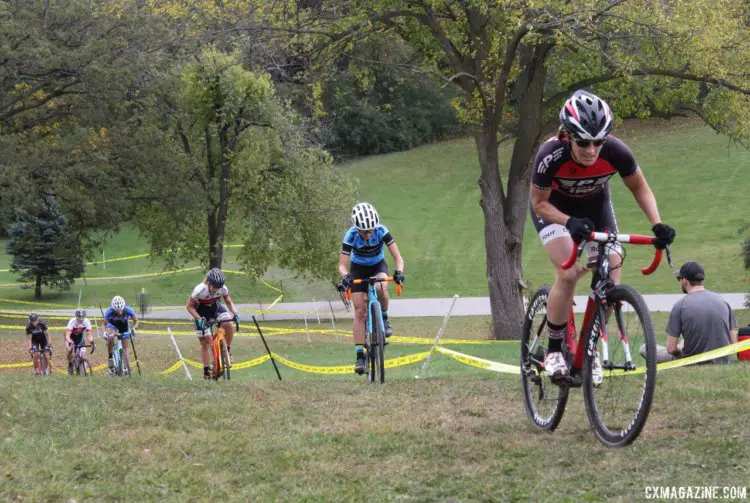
364, 217
118, 303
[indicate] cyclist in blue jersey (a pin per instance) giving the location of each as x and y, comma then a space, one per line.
570, 199
362, 249
117, 324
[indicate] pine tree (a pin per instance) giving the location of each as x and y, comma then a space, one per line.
44, 249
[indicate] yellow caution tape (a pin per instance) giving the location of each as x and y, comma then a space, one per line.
275, 301
690, 360
348, 369
172, 368
147, 275
32, 303
270, 286
14, 365
250, 363
480, 362
119, 259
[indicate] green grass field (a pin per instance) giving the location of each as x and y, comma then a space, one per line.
459, 434
429, 199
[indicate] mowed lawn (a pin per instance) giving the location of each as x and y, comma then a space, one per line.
457, 434
429, 199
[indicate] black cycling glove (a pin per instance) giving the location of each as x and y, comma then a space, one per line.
398, 277
347, 281
664, 235
580, 228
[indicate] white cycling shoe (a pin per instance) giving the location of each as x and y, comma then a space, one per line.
556, 366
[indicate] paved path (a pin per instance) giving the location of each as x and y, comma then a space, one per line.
465, 306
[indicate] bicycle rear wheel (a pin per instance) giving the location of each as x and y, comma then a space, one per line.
544, 401
618, 408
225, 359
379, 344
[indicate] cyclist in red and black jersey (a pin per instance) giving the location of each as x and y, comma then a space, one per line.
205, 304
570, 198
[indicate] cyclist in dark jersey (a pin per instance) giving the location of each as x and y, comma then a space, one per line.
39, 343
363, 247
570, 198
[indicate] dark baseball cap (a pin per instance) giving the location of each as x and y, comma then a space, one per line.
691, 271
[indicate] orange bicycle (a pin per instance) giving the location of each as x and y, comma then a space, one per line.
221, 366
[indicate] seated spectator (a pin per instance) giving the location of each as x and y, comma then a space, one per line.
703, 318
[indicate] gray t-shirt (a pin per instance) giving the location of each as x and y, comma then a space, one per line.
704, 319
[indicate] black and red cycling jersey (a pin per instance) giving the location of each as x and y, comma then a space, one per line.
554, 169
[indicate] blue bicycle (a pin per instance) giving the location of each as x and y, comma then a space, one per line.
375, 333
120, 356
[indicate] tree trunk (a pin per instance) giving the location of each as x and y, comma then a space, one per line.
215, 241
38, 287
505, 217
531, 79
502, 264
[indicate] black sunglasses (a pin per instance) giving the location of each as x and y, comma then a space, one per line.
587, 143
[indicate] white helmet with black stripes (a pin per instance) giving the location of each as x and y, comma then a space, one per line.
365, 217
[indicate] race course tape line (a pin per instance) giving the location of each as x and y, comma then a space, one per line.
129, 257
312, 369
473, 361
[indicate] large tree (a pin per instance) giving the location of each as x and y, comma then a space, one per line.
69, 72
44, 248
515, 61
222, 156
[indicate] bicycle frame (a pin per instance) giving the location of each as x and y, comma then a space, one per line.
217, 337
594, 319
42, 362
372, 298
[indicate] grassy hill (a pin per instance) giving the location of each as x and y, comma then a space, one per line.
460, 434
429, 198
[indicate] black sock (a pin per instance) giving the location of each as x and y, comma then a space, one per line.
385, 315
206, 369
556, 336
360, 349
110, 355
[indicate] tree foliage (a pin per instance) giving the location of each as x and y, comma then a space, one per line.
227, 158
44, 247
515, 61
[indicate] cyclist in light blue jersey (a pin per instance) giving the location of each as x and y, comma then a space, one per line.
361, 257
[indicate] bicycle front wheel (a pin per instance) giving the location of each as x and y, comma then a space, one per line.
125, 363
84, 368
618, 406
379, 343
544, 401
225, 359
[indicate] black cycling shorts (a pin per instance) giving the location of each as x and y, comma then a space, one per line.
41, 344
359, 271
211, 311
597, 209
